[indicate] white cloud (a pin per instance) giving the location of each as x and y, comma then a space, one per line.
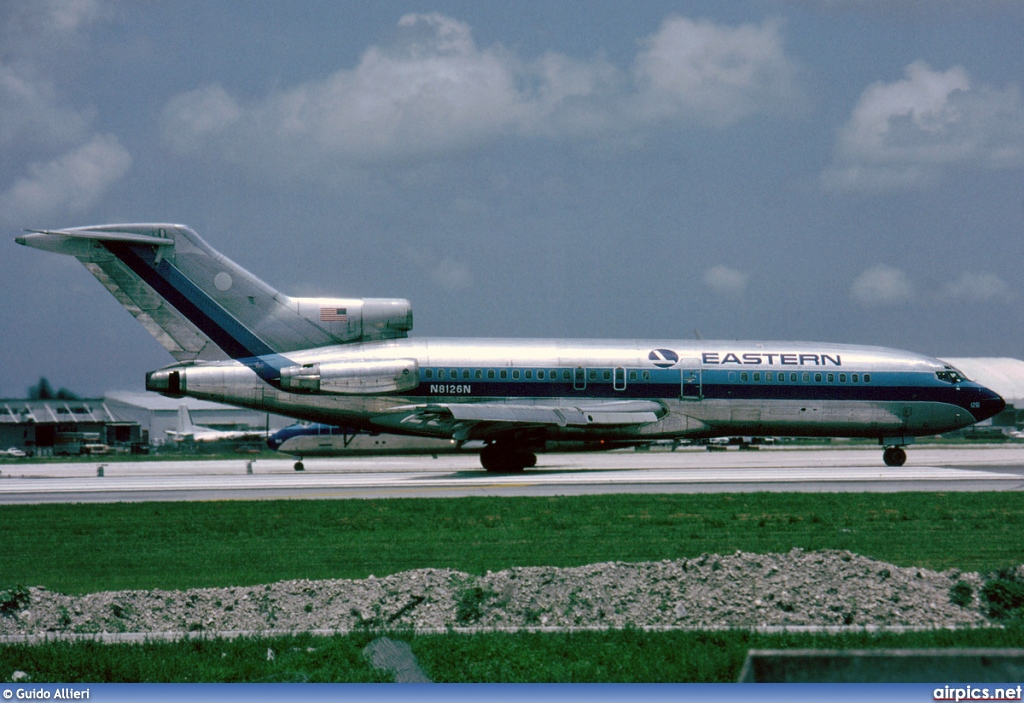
189, 117
452, 275
447, 273
882, 285
726, 281
35, 118
434, 91
67, 16
713, 73
71, 183
32, 112
30, 26
980, 288
906, 133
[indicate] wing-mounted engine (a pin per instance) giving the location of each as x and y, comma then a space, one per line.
370, 377
358, 320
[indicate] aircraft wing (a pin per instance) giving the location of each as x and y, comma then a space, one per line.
465, 421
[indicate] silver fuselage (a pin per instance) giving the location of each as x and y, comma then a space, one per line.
711, 389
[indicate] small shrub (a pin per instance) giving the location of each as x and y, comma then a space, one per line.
13, 599
1004, 594
469, 609
961, 594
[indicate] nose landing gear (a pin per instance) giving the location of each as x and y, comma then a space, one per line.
894, 456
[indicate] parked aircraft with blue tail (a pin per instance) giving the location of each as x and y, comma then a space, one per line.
350, 362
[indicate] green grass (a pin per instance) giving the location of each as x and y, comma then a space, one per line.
93, 547
614, 656
90, 547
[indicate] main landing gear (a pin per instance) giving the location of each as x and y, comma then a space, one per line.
504, 458
894, 456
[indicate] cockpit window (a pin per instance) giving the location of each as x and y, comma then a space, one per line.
950, 375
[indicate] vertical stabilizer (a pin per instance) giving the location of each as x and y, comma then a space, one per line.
201, 305
184, 420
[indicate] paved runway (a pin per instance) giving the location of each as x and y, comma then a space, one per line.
929, 468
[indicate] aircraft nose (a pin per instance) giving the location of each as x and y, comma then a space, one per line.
989, 405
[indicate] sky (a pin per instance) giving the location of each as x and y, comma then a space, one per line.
845, 171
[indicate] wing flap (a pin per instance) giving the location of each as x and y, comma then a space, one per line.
467, 420
547, 415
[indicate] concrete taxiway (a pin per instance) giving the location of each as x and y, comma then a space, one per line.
930, 468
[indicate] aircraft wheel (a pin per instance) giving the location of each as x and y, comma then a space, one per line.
503, 460
299, 466
894, 456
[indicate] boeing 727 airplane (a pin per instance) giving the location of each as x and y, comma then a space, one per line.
350, 362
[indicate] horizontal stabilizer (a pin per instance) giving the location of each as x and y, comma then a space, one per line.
106, 235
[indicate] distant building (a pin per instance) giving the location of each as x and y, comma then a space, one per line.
156, 414
58, 426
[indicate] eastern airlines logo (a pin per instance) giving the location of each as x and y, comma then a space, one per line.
663, 358
770, 358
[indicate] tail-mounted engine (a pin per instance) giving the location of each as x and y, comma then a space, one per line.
358, 320
352, 377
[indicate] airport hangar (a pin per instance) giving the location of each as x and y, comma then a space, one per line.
122, 420
126, 419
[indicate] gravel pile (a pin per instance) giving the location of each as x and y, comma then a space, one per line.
797, 589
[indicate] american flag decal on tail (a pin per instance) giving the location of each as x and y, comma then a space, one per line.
333, 314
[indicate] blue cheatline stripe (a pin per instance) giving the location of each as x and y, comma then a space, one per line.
214, 321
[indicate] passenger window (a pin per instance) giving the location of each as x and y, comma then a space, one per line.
429, 373
757, 375
529, 374
504, 374
632, 375
566, 375
647, 375
744, 377
490, 373
831, 378
607, 375
540, 375
593, 375
515, 374
479, 374
867, 378
842, 378
792, 377
769, 376
817, 378
454, 374
440, 373
806, 378
465, 374
855, 378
